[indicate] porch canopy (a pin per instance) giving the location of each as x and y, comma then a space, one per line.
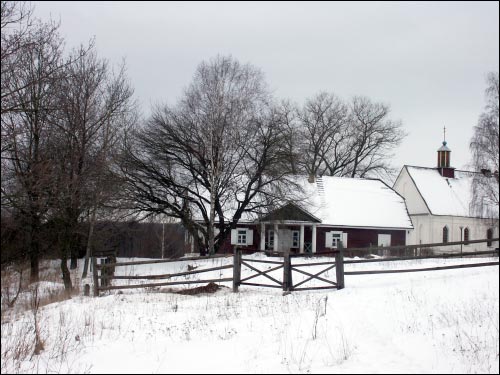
288, 215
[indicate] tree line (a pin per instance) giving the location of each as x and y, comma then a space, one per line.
76, 151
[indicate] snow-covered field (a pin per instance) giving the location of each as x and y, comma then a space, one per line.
422, 322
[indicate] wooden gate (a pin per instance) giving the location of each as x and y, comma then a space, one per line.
286, 282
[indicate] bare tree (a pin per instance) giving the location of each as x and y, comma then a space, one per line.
485, 151
339, 139
323, 130
373, 136
16, 25
95, 108
212, 157
27, 166
291, 152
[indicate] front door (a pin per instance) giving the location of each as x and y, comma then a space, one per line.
384, 240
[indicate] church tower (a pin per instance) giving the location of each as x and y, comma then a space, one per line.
443, 162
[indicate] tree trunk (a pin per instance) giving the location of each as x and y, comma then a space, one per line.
89, 244
34, 260
34, 250
65, 249
74, 256
211, 226
68, 287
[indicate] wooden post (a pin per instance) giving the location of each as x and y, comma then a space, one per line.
339, 266
86, 290
287, 271
104, 272
95, 277
236, 269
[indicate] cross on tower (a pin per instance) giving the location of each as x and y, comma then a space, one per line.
444, 133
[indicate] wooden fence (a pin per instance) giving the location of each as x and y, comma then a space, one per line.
433, 245
105, 277
102, 282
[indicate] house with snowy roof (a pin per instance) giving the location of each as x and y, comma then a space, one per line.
440, 204
360, 212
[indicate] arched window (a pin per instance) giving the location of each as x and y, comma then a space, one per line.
466, 235
489, 236
445, 234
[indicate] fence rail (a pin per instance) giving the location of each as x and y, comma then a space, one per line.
286, 283
107, 275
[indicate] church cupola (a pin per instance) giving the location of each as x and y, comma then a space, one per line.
443, 162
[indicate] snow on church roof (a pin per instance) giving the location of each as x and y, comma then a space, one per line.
355, 202
444, 196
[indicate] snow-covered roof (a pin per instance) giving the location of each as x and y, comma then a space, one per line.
341, 201
355, 202
444, 147
446, 196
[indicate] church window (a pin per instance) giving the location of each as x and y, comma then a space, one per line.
466, 235
445, 234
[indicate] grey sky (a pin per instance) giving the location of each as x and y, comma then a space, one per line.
428, 60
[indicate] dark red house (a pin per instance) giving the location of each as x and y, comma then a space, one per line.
359, 212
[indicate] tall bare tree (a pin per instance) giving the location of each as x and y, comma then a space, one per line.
212, 157
323, 129
16, 25
95, 109
337, 138
27, 166
373, 136
485, 150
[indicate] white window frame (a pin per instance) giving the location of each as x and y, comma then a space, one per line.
335, 240
241, 236
270, 239
295, 239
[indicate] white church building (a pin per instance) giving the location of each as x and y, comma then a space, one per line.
438, 201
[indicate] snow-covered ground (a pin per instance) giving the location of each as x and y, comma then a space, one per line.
422, 322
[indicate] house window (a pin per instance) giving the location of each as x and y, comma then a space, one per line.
270, 239
242, 237
295, 239
445, 234
336, 238
466, 235
489, 236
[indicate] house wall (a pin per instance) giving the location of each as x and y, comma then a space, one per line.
366, 237
356, 237
429, 229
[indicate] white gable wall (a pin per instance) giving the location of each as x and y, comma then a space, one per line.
405, 186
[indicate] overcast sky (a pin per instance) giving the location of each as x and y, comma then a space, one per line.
428, 61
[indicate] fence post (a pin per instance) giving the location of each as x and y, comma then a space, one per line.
104, 272
287, 271
236, 269
95, 277
339, 266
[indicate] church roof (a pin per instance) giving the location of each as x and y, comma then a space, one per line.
447, 196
